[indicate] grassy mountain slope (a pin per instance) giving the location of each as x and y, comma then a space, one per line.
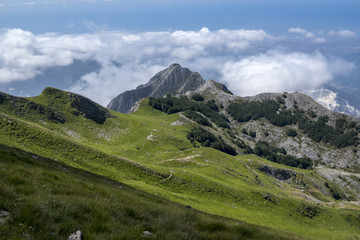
149, 150
48, 199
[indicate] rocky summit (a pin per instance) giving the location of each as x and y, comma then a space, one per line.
173, 80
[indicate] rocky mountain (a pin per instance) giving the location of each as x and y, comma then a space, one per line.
288, 128
177, 80
173, 80
272, 128
322, 135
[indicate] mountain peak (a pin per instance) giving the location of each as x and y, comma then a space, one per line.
173, 80
175, 65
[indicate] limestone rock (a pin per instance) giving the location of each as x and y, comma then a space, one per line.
76, 235
148, 234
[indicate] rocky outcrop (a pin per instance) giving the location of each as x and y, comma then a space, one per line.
213, 87
76, 235
4, 215
174, 80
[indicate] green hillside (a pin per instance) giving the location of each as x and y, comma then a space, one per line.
47, 199
149, 151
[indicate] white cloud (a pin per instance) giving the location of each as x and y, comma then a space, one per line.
24, 55
342, 33
319, 40
276, 71
297, 30
130, 59
111, 81
307, 34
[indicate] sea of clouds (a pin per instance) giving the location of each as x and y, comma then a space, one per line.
247, 61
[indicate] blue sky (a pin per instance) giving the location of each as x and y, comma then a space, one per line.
156, 15
100, 48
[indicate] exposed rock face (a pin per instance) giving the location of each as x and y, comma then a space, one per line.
76, 235
211, 87
214, 90
173, 80
277, 173
348, 180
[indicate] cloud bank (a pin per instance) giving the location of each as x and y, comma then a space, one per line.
243, 59
277, 71
307, 34
343, 33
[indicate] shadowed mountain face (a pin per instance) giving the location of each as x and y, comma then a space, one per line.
173, 80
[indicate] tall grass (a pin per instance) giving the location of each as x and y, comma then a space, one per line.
49, 200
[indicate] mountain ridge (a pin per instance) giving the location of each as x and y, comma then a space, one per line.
330, 97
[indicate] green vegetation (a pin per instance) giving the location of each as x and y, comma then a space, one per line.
279, 155
335, 191
49, 200
246, 111
241, 144
149, 151
197, 97
30, 110
207, 139
171, 105
342, 135
197, 118
320, 131
291, 132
